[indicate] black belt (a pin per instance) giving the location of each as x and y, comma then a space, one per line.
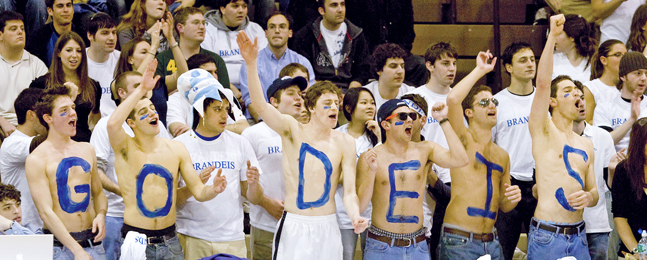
396, 241
560, 229
152, 236
487, 237
86, 241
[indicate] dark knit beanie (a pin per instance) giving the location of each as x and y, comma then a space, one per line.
632, 61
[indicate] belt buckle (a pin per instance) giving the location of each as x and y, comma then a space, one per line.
564, 231
410, 243
153, 242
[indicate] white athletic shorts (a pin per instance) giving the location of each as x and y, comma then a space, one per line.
299, 237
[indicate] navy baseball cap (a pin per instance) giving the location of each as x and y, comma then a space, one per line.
286, 82
388, 107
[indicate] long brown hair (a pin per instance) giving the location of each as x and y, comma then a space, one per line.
597, 68
578, 28
135, 18
57, 74
126, 52
636, 41
635, 164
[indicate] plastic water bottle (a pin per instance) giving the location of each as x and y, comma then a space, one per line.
642, 246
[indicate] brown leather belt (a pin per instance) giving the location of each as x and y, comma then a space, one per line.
566, 230
398, 242
489, 237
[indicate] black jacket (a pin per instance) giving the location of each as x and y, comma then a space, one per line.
355, 65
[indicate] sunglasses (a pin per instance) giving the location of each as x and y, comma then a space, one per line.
403, 116
485, 102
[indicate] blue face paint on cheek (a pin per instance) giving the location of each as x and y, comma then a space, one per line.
63, 190
143, 117
559, 194
566, 95
396, 194
306, 148
64, 113
399, 123
485, 212
326, 107
161, 172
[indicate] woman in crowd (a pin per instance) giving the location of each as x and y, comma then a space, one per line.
70, 65
360, 110
141, 18
605, 68
629, 204
637, 37
574, 48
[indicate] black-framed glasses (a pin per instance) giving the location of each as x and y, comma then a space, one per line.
486, 101
403, 116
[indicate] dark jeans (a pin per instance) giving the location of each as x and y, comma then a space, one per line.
509, 224
441, 192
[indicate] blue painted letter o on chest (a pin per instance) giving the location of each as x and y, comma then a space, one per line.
161, 172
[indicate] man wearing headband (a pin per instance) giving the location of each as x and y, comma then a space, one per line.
563, 161
148, 169
313, 158
482, 187
209, 144
393, 177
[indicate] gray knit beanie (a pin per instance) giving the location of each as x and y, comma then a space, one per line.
632, 61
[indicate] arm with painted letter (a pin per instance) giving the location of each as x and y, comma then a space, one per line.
539, 118
366, 169
456, 155
280, 123
200, 191
41, 194
351, 201
100, 202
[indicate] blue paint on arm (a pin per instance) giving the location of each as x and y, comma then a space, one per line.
161, 172
396, 194
63, 190
559, 194
143, 117
399, 123
306, 148
486, 212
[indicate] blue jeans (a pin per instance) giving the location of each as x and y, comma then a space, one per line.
113, 234
170, 250
459, 247
349, 241
598, 245
378, 250
544, 245
96, 252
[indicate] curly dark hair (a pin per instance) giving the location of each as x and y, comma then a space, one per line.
8, 191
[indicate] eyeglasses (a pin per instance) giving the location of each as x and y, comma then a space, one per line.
486, 102
403, 116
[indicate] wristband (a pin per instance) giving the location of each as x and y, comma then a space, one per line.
443, 121
175, 45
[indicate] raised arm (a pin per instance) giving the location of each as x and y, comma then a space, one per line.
456, 155
154, 31
602, 9
192, 180
623, 129
366, 169
40, 193
116, 133
280, 123
351, 201
178, 56
460, 91
538, 119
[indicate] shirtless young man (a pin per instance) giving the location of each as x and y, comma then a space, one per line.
148, 169
393, 177
563, 163
482, 187
308, 228
63, 179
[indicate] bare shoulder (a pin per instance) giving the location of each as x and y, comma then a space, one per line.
499, 154
175, 145
86, 147
341, 137
588, 145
